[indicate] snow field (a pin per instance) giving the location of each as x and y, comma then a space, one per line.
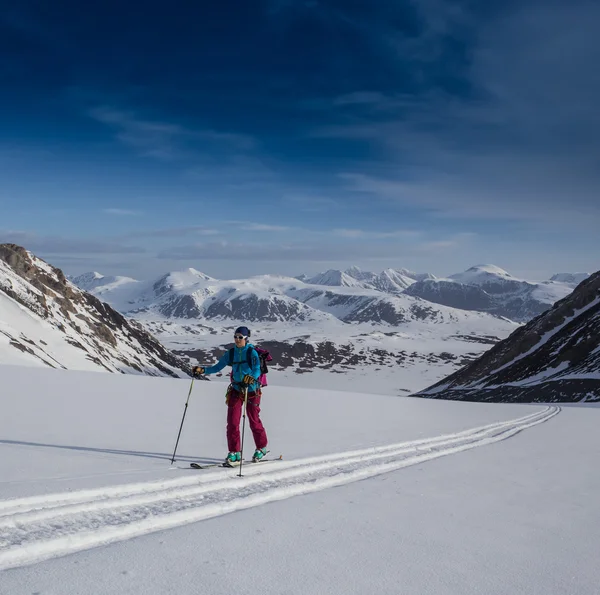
38, 528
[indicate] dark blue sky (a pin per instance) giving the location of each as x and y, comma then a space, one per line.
287, 136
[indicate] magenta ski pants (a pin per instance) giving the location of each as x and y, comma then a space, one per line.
235, 402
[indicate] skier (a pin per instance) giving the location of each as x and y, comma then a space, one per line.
243, 376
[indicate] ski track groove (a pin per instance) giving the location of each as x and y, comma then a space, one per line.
37, 528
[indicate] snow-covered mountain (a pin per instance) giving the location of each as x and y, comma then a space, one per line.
572, 279
46, 320
358, 274
487, 276
99, 284
191, 294
390, 281
334, 278
393, 281
310, 328
487, 288
415, 276
555, 357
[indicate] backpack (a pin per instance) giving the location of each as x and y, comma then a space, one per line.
263, 357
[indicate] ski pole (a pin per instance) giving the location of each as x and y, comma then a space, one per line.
182, 420
243, 430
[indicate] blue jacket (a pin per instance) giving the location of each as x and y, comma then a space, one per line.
240, 366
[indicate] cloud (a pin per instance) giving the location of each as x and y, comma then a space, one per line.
166, 140
120, 212
306, 232
174, 232
310, 203
516, 139
374, 235
313, 251
59, 245
265, 227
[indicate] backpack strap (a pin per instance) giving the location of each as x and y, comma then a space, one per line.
248, 356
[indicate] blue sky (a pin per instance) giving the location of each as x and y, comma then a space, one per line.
280, 136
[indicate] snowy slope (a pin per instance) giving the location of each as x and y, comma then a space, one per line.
89, 503
572, 279
334, 278
190, 295
388, 281
555, 357
98, 284
46, 321
391, 281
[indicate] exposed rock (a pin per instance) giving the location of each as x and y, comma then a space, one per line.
108, 338
555, 357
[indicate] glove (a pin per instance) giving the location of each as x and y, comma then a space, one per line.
197, 371
247, 379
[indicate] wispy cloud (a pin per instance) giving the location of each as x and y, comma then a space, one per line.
320, 249
343, 233
166, 140
120, 212
375, 235
264, 227
311, 203
52, 245
511, 132
174, 232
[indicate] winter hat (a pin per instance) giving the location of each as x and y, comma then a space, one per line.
242, 330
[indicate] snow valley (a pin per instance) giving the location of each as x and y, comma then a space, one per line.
353, 323
461, 498
341, 334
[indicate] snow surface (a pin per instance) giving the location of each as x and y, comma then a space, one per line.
455, 335
432, 497
549, 292
573, 279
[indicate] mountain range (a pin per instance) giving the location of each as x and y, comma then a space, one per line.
349, 330
353, 295
486, 288
338, 334
555, 357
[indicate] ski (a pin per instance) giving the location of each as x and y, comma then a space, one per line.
233, 466
229, 465
207, 466
268, 459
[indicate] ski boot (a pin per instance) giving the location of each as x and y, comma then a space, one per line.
233, 459
259, 453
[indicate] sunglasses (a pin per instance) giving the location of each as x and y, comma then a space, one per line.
239, 337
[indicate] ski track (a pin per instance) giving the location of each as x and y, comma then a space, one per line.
38, 528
